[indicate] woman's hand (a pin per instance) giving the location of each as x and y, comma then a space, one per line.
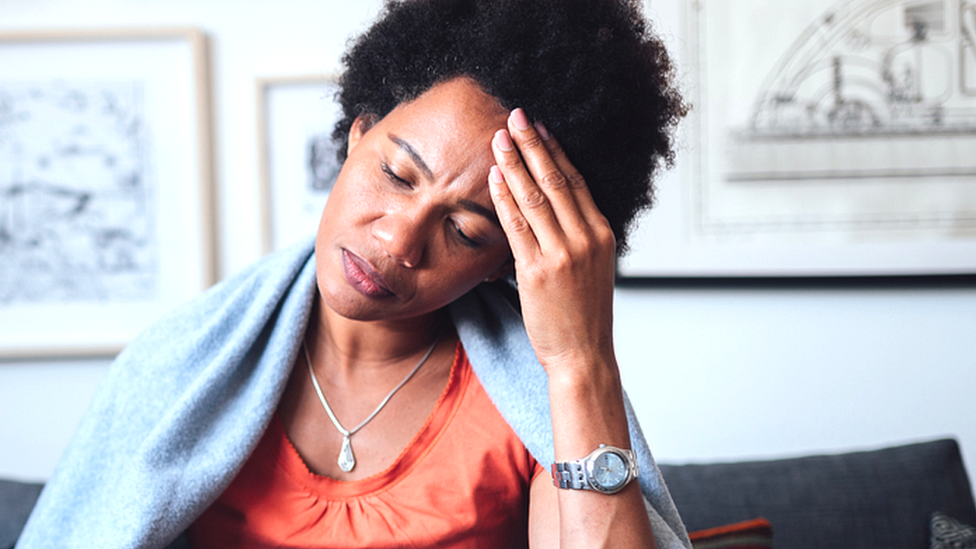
564, 262
563, 247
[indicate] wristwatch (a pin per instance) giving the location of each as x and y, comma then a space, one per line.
607, 470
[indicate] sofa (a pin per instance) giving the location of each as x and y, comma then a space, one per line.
881, 499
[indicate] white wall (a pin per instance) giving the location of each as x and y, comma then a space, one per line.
751, 373
714, 374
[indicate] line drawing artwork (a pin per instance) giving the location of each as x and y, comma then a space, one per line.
301, 164
872, 88
321, 162
826, 138
76, 206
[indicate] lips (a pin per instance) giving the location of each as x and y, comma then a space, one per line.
363, 277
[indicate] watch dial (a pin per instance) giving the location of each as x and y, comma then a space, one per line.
609, 470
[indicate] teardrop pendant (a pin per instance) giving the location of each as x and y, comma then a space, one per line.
346, 460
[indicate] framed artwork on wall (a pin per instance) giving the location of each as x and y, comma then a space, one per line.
828, 138
297, 155
105, 185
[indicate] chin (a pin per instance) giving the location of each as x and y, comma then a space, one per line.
350, 304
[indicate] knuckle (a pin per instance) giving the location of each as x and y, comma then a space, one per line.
512, 162
554, 180
595, 241
562, 261
588, 247
576, 181
531, 142
607, 241
602, 235
518, 225
601, 226
534, 200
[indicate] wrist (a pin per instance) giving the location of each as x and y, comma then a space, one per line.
577, 355
578, 371
587, 411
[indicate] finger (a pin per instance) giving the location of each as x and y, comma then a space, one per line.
521, 238
551, 178
533, 204
575, 181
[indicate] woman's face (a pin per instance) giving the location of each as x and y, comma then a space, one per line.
409, 226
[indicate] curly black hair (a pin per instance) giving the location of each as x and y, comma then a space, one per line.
590, 70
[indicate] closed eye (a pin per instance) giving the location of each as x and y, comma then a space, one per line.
393, 177
463, 238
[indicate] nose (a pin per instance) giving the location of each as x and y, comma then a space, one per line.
401, 236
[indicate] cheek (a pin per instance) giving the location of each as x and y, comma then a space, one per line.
477, 271
352, 197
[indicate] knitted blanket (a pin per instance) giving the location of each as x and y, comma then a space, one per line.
185, 404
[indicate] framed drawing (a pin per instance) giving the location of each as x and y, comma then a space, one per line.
105, 186
828, 138
297, 155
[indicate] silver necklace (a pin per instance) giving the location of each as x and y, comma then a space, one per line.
346, 459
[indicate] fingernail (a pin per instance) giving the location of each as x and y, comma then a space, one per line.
495, 175
541, 128
520, 120
503, 141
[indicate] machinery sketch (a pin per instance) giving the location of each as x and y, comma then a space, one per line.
321, 162
873, 88
76, 212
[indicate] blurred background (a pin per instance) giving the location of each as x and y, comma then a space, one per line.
716, 372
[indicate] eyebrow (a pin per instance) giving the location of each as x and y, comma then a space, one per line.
478, 209
405, 147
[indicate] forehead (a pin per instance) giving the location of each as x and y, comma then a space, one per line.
450, 126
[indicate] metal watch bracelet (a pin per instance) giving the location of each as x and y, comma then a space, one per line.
579, 474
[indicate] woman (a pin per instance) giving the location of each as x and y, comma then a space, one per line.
383, 391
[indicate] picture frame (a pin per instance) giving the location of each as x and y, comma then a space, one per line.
838, 142
297, 155
106, 193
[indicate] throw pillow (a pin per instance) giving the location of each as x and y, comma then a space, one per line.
949, 533
750, 534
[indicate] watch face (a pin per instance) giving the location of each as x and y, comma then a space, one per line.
609, 471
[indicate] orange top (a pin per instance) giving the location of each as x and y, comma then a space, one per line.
462, 482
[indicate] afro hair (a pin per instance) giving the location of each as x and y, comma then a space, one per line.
591, 70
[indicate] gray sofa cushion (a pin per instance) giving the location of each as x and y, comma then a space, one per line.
881, 499
16, 501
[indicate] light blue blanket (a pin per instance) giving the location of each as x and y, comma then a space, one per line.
184, 405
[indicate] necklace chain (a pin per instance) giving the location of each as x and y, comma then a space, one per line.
346, 459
